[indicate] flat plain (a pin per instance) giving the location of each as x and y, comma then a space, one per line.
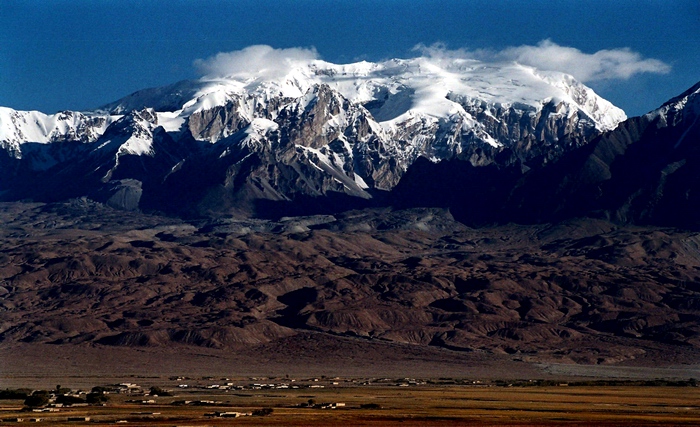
380, 402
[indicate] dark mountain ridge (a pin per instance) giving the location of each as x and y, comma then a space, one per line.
643, 172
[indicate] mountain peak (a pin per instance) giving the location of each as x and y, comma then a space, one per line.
693, 91
681, 107
418, 86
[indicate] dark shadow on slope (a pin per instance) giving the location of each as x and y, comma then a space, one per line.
331, 203
474, 194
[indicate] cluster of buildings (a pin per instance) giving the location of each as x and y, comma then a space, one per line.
38, 420
229, 414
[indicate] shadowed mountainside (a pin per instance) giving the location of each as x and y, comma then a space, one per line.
643, 172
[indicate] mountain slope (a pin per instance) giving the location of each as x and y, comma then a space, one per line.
645, 171
642, 172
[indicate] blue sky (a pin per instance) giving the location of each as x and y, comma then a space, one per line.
80, 54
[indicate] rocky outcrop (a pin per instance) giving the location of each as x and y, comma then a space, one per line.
218, 122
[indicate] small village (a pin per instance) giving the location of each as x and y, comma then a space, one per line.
271, 400
83, 406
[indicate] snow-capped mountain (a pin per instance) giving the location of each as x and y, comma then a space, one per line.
19, 130
314, 129
685, 107
416, 107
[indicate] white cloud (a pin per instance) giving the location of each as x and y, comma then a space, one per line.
605, 64
608, 64
255, 61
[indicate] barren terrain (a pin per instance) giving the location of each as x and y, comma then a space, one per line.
367, 292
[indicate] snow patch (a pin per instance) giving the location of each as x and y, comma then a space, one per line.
361, 182
172, 122
261, 126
